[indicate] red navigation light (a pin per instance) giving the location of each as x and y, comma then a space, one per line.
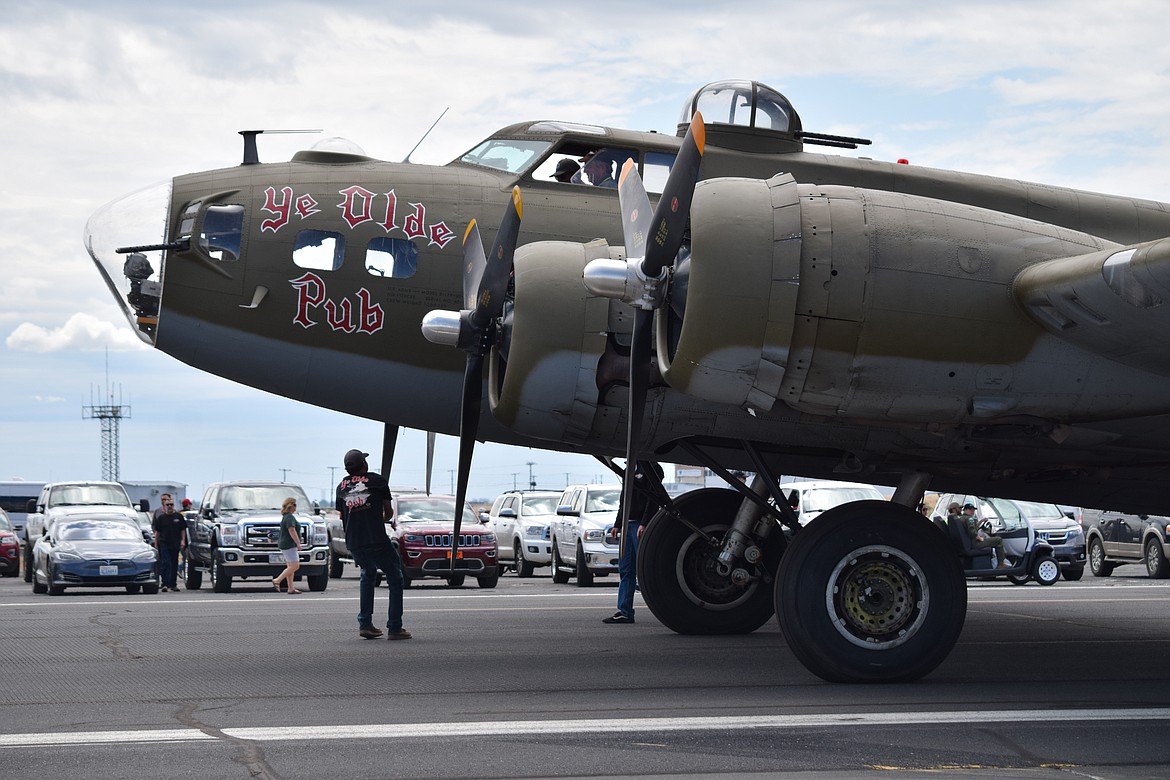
903, 161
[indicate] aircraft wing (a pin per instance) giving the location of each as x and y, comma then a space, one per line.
1112, 302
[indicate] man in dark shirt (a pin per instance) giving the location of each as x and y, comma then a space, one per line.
363, 499
170, 536
641, 509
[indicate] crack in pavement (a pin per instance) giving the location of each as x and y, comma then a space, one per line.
249, 753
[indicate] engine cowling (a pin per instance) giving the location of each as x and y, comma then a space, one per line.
547, 387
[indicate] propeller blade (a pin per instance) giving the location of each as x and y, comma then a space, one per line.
489, 302
468, 426
430, 458
670, 218
474, 263
635, 207
639, 359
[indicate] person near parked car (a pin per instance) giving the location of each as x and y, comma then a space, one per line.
289, 544
170, 536
364, 502
641, 509
981, 539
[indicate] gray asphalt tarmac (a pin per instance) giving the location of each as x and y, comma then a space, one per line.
525, 681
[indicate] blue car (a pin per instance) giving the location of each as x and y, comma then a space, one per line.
94, 552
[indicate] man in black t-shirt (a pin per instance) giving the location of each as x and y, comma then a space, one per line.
170, 536
363, 499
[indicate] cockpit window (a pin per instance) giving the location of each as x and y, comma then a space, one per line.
597, 166
505, 154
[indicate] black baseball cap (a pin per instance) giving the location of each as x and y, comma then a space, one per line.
354, 458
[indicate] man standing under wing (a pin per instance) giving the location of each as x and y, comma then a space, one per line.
363, 499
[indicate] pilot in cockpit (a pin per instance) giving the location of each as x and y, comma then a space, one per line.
599, 169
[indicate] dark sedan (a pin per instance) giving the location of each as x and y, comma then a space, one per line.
94, 552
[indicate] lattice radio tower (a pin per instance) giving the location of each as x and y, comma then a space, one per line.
110, 414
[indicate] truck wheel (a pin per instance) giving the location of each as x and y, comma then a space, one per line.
28, 563
456, 580
524, 567
221, 581
336, 566
318, 582
192, 577
1156, 565
1097, 563
488, 582
560, 575
584, 574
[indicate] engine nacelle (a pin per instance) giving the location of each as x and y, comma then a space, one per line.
844, 301
548, 386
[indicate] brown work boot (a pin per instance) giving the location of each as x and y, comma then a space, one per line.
401, 633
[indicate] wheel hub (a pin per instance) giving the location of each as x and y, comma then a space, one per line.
702, 582
878, 597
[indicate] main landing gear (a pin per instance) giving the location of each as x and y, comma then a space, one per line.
868, 592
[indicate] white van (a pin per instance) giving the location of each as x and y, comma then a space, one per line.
810, 499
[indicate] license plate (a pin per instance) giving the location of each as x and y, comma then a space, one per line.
276, 557
108, 571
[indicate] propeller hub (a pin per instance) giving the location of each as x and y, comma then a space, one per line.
442, 327
625, 281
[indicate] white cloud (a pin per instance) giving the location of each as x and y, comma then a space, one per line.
81, 332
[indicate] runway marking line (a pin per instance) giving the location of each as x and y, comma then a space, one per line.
578, 726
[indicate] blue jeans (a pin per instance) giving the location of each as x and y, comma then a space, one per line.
628, 570
168, 565
372, 560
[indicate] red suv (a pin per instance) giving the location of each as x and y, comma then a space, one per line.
422, 529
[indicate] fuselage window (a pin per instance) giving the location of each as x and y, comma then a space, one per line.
320, 250
222, 228
394, 257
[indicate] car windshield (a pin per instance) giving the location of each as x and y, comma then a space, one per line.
603, 500
88, 495
431, 509
256, 497
97, 531
1035, 511
540, 505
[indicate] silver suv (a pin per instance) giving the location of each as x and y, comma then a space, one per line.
521, 520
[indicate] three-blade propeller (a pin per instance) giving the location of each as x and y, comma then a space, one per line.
652, 243
485, 285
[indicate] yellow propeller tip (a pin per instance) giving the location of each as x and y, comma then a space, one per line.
699, 131
518, 202
470, 227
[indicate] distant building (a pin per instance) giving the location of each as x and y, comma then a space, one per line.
152, 490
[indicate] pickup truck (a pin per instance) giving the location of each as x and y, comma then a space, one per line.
234, 535
68, 499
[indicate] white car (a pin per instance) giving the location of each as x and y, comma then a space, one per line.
521, 520
582, 544
810, 499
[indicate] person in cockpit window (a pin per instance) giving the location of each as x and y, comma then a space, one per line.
599, 169
568, 171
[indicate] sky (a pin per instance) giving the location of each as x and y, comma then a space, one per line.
102, 99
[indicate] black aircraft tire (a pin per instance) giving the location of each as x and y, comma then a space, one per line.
867, 592
676, 570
